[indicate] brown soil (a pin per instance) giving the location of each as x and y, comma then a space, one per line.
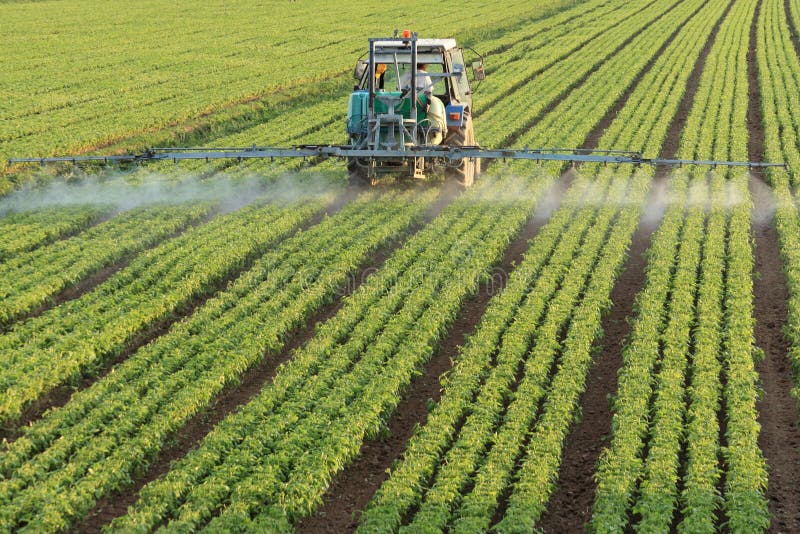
352, 489
251, 383
779, 438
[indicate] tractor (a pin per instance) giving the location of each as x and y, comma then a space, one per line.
412, 92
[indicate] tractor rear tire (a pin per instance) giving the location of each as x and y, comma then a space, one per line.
357, 174
464, 174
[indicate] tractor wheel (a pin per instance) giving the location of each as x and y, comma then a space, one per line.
464, 174
357, 174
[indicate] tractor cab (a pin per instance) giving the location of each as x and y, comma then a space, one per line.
411, 92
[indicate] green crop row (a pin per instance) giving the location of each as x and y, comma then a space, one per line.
76, 338
27, 230
745, 473
778, 73
508, 444
55, 472
572, 31
641, 125
344, 382
658, 488
746, 506
620, 466
700, 497
539, 274
537, 472
29, 280
706, 306
516, 111
311, 123
467, 453
312, 117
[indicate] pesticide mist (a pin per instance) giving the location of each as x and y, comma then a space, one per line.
230, 192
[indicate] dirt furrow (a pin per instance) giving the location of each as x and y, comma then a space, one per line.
779, 438
787, 8
571, 505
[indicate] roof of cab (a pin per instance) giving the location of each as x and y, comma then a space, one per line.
445, 44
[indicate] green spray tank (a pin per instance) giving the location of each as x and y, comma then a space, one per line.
431, 125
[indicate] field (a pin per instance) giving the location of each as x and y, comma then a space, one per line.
258, 347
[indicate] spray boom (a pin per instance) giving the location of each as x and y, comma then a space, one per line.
445, 155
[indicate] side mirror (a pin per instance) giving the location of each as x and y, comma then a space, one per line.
361, 68
477, 71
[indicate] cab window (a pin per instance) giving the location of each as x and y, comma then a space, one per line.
457, 57
439, 87
390, 80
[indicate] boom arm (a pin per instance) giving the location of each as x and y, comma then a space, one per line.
444, 154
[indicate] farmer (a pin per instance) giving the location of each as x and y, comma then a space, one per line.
424, 83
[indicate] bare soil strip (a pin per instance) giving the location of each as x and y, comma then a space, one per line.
352, 489
777, 410
570, 507
251, 383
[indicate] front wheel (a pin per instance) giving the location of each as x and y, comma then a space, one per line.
464, 173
